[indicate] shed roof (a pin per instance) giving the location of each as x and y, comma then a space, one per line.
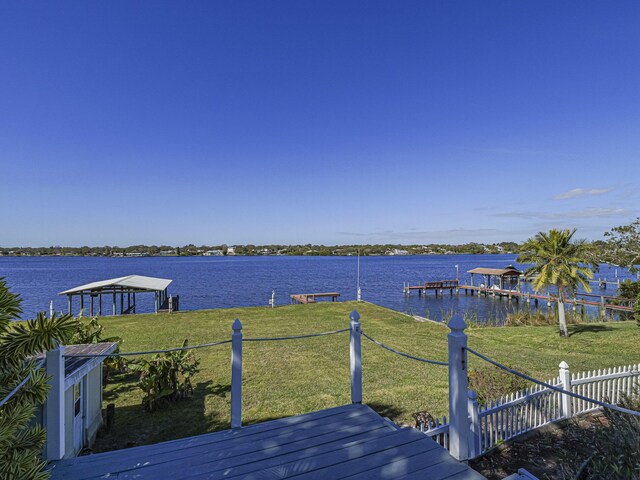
496, 271
76, 367
131, 282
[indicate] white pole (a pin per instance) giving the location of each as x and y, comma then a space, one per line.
565, 378
55, 419
236, 375
273, 298
51, 309
359, 292
459, 427
475, 440
355, 356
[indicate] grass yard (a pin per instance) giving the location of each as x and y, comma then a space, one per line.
297, 376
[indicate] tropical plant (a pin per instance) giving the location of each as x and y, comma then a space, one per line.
167, 377
558, 261
20, 442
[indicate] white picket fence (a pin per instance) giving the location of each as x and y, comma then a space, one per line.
520, 412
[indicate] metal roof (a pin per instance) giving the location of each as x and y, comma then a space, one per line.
496, 271
76, 367
133, 282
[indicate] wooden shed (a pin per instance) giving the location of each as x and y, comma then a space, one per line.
80, 411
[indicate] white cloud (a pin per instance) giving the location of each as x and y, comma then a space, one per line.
586, 213
581, 192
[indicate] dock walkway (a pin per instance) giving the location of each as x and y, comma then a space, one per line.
311, 297
550, 298
351, 441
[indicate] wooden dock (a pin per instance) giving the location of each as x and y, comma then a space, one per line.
350, 441
439, 286
606, 303
549, 299
305, 298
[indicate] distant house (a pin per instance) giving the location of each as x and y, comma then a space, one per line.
82, 405
231, 250
167, 252
397, 251
213, 253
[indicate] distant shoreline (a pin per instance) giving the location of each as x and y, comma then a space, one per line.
262, 250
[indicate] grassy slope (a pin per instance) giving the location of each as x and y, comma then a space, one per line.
297, 376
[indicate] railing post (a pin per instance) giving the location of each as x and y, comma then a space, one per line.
236, 375
355, 355
565, 379
475, 439
459, 428
55, 404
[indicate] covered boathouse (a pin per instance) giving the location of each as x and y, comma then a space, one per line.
509, 273
121, 288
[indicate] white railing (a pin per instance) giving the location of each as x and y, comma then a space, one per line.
438, 431
502, 419
603, 385
517, 413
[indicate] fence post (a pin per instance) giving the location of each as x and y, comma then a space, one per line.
475, 439
236, 375
55, 404
459, 428
355, 356
565, 379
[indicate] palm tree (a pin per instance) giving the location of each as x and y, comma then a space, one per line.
558, 261
21, 443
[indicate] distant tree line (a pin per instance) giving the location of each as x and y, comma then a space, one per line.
251, 250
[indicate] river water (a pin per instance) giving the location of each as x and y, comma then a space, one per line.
218, 282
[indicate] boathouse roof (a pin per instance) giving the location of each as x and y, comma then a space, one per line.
500, 272
131, 282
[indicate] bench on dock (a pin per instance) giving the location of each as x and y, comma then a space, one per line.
305, 298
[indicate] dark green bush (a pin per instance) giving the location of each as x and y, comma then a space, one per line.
491, 383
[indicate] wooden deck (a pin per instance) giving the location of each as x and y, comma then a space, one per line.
311, 297
345, 442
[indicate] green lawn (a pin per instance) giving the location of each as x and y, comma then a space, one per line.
297, 376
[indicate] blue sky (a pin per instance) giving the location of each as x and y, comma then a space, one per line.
316, 122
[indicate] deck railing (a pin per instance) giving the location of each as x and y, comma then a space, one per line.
470, 430
504, 418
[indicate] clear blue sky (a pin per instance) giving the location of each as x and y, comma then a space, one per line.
316, 122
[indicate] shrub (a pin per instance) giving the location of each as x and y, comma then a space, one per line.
616, 445
491, 383
166, 377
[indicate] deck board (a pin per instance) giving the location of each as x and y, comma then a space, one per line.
344, 442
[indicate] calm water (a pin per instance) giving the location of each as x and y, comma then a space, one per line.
215, 282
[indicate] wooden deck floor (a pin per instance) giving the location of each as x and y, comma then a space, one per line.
345, 442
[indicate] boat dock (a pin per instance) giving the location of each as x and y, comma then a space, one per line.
305, 298
604, 302
549, 299
439, 286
